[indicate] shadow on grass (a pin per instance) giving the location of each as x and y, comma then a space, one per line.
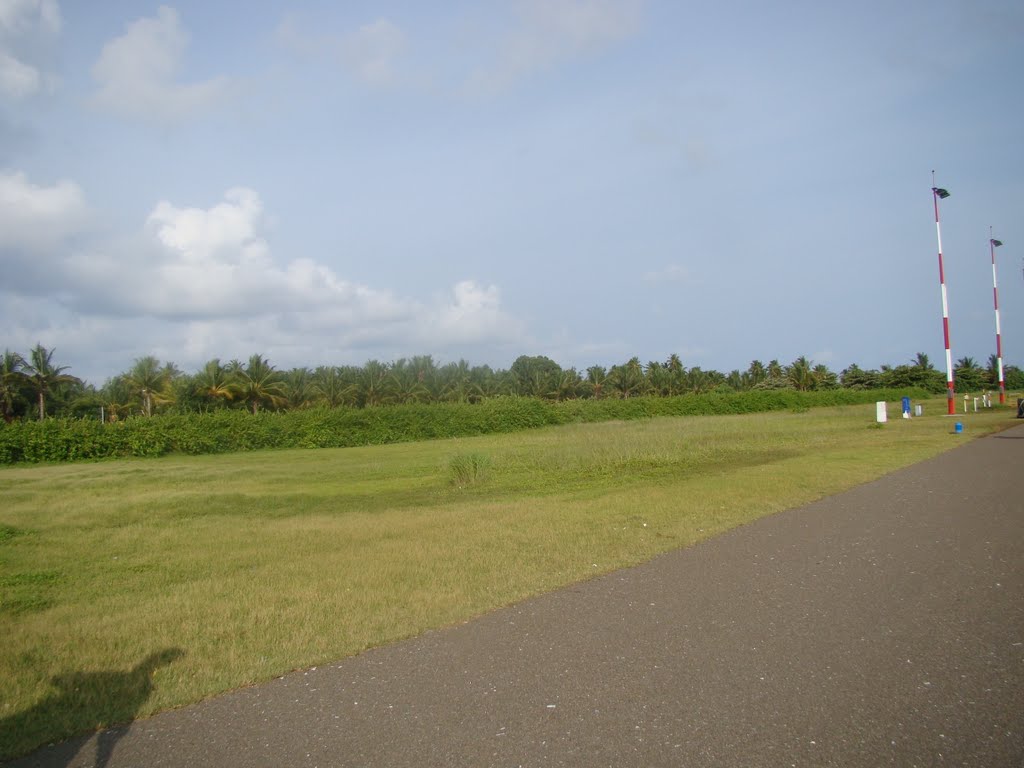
82, 701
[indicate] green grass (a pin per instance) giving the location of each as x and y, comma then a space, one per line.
127, 587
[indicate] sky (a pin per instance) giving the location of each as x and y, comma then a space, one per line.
328, 183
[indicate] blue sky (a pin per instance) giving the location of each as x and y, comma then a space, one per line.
328, 183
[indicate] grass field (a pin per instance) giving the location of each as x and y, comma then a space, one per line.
127, 587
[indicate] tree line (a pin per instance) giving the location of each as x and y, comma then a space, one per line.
35, 386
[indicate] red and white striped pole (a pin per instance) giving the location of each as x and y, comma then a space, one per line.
992, 245
937, 194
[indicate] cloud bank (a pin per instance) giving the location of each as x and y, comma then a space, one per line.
195, 283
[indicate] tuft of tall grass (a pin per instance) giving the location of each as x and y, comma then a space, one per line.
468, 468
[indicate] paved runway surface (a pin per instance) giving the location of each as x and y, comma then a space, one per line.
884, 626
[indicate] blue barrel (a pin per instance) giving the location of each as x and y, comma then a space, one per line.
906, 406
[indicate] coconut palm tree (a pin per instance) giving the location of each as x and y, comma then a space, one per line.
427, 375
677, 374
44, 377
491, 383
755, 374
258, 383
331, 386
627, 379
214, 382
824, 378
152, 381
116, 399
12, 381
800, 375
968, 375
597, 376
570, 384
699, 381
374, 384
992, 369
659, 379
458, 383
405, 383
298, 386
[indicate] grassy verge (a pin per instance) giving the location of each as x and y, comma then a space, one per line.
131, 586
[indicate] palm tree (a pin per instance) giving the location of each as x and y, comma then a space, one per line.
923, 374
331, 386
569, 385
491, 383
427, 375
824, 378
659, 379
755, 374
44, 376
12, 381
374, 384
458, 382
298, 385
677, 374
968, 375
800, 375
406, 383
596, 378
699, 381
213, 383
627, 379
259, 384
116, 398
993, 370
152, 380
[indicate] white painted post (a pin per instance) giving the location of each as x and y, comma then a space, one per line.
880, 414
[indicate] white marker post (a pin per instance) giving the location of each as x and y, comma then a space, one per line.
880, 414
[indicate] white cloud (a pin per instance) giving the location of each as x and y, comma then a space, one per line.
548, 31
371, 53
27, 29
224, 232
137, 72
17, 78
33, 215
37, 227
472, 314
19, 16
203, 282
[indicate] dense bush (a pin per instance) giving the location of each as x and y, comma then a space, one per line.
57, 440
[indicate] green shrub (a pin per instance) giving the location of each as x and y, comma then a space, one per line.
59, 440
